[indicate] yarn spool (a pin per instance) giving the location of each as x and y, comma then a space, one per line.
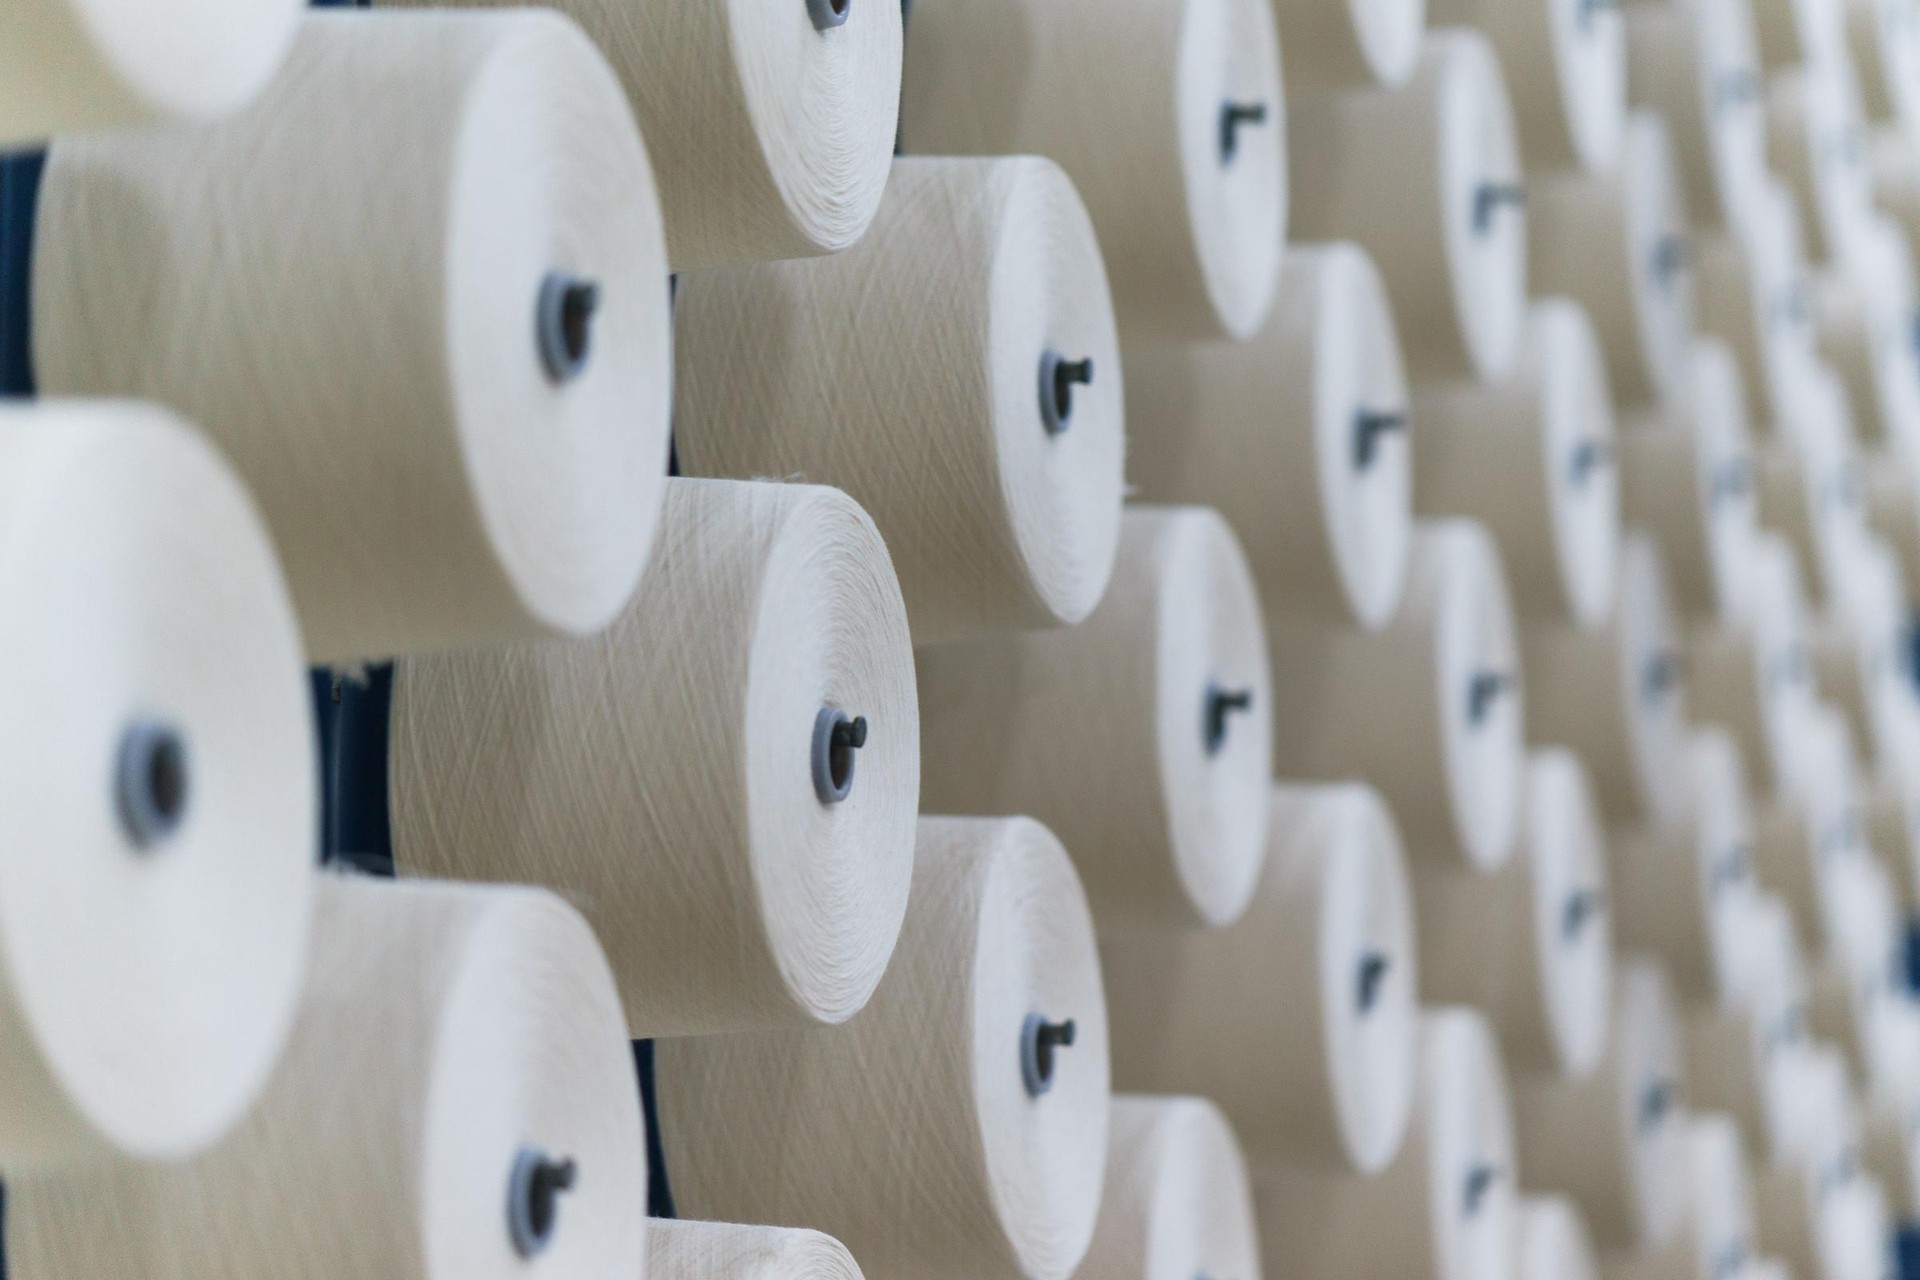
1177, 1203
1677, 886
1802, 1207
1817, 144
1716, 1232
1170, 120
1428, 708
1880, 38
1533, 458
1426, 177
1550, 1241
1890, 1151
917, 354
1699, 66
1865, 940
1686, 481
1857, 1231
1141, 737
1722, 1186
478, 457
1566, 67
1740, 1055
1614, 1140
1894, 171
1750, 291
1442, 1210
1300, 1019
1335, 45
1754, 678
1828, 1112
1809, 492
1229, 424
1859, 660
456, 1100
1799, 836
770, 122
1893, 1043
1865, 328
1617, 243
159, 784
1838, 1011
679, 1250
1793, 33
1617, 694
955, 1126
725, 779
1531, 945
73, 65
1891, 483
1891, 811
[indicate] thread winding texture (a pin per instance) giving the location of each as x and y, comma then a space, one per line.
907, 371
660, 774
355, 326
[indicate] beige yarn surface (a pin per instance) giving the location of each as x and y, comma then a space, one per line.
354, 326
660, 774
1814, 144
1754, 678
1678, 886
1892, 489
1686, 481
69, 65
1533, 459
907, 1132
1864, 329
1615, 1140
1751, 291
1402, 172
1698, 65
1800, 836
1128, 96
1105, 731
1617, 694
1566, 65
1618, 245
1742, 1054
1177, 1203
1270, 432
1336, 45
1880, 39
145, 987
1809, 491
445, 1031
1398, 706
1300, 1019
907, 372
1442, 1210
770, 138
1718, 1228
1531, 944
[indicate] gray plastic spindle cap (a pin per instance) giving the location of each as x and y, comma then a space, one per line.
1039, 1039
1058, 376
533, 1198
836, 737
563, 324
827, 14
151, 782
